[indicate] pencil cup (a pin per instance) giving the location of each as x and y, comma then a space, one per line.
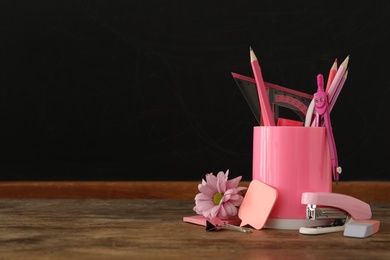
292, 160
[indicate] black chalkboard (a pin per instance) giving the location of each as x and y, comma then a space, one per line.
142, 90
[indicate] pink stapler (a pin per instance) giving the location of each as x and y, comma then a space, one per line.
339, 209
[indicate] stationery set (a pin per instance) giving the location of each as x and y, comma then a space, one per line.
294, 162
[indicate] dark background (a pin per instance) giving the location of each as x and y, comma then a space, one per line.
142, 90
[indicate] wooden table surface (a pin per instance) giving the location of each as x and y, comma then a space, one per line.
154, 229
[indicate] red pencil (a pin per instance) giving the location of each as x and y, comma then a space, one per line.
332, 74
266, 112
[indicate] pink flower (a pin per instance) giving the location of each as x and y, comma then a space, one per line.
218, 197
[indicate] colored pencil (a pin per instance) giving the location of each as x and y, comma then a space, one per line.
339, 75
338, 90
332, 74
266, 112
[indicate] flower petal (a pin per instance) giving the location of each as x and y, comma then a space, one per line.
237, 202
227, 174
211, 180
234, 197
241, 188
221, 182
208, 190
230, 209
215, 211
204, 205
211, 212
222, 213
233, 183
203, 197
234, 191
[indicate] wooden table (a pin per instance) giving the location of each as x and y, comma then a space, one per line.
154, 229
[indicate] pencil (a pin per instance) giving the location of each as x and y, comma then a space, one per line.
332, 74
339, 75
336, 81
338, 90
265, 106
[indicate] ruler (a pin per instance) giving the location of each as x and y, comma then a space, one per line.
283, 100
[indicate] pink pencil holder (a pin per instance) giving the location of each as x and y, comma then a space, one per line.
293, 160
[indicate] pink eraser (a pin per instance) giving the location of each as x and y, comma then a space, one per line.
361, 228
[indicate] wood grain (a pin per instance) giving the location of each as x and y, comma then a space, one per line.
367, 191
95, 229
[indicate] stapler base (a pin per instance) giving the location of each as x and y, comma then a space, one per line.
294, 224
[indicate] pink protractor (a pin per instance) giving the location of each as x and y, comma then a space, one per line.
322, 109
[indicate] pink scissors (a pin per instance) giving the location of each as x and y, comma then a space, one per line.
322, 110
